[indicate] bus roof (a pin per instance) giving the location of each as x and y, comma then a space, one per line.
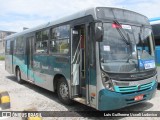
154, 21
83, 13
58, 21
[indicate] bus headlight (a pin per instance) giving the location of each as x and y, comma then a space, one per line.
107, 82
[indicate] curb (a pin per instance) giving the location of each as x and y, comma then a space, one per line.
4, 100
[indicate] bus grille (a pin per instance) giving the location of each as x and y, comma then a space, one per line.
137, 88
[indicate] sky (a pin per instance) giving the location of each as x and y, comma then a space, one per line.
16, 14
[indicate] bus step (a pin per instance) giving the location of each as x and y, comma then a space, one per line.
30, 81
80, 100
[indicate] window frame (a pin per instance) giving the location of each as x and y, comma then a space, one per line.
57, 39
41, 40
16, 43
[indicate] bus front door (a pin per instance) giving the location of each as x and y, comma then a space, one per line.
78, 64
11, 52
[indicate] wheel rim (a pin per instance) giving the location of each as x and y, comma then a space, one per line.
63, 90
18, 75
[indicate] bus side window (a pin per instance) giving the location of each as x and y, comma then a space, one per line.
59, 43
41, 44
20, 45
8, 47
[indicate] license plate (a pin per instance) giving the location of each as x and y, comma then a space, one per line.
138, 98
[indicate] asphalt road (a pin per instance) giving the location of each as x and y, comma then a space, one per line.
28, 96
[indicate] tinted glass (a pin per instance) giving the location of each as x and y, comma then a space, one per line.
45, 34
60, 40
156, 32
121, 14
42, 38
60, 32
20, 44
59, 46
39, 36
41, 47
123, 45
8, 47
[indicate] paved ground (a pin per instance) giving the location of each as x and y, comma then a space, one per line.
30, 96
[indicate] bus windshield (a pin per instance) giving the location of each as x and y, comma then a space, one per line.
126, 48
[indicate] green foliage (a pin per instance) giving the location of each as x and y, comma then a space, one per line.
2, 58
158, 65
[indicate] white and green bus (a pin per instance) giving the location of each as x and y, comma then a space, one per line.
155, 23
102, 57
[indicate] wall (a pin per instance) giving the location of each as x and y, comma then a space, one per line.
3, 34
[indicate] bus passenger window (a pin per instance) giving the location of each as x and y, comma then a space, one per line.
38, 36
8, 47
53, 46
20, 45
45, 34
42, 41
59, 43
41, 47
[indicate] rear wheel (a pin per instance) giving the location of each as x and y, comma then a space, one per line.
63, 91
18, 76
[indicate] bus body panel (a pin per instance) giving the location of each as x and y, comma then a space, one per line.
100, 85
19, 61
111, 100
9, 56
43, 71
93, 88
46, 67
155, 23
8, 60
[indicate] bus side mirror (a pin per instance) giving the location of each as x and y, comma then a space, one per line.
99, 34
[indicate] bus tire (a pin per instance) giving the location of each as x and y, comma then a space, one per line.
18, 76
63, 91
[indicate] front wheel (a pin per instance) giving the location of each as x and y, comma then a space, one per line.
63, 91
18, 76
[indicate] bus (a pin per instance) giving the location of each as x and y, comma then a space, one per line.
102, 57
155, 23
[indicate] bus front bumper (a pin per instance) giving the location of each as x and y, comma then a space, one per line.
109, 100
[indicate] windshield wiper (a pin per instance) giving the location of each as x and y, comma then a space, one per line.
121, 31
128, 42
140, 38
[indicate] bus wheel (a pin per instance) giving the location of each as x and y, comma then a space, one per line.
18, 76
63, 91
